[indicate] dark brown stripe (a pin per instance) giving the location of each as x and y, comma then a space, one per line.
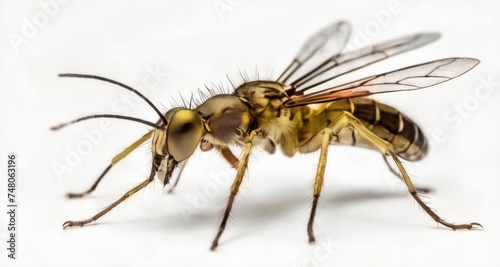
292, 115
157, 161
390, 125
389, 118
353, 134
415, 137
365, 110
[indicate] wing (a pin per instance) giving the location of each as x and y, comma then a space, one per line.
322, 46
339, 65
405, 79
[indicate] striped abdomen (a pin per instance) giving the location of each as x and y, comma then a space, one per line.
387, 123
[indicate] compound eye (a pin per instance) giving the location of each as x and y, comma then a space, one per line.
183, 134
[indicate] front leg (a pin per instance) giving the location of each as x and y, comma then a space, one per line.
235, 187
134, 190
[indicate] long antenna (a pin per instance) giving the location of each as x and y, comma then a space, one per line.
55, 128
87, 76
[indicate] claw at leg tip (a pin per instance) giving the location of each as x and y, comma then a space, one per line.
478, 226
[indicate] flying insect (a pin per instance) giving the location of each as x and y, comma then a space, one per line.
298, 113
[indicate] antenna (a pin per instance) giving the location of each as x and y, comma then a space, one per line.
87, 76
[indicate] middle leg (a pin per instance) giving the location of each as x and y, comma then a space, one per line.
226, 153
318, 181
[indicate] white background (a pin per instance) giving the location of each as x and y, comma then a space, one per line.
365, 217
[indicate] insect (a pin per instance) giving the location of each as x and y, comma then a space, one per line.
298, 113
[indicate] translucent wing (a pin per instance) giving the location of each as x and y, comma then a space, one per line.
323, 45
405, 79
344, 63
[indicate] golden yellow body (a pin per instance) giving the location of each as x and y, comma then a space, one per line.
299, 129
299, 116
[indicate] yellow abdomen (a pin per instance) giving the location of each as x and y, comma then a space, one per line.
386, 122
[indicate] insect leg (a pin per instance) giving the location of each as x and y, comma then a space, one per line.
242, 166
114, 204
396, 172
182, 165
386, 148
115, 160
226, 154
318, 181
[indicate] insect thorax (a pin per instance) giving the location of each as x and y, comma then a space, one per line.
265, 101
262, 96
